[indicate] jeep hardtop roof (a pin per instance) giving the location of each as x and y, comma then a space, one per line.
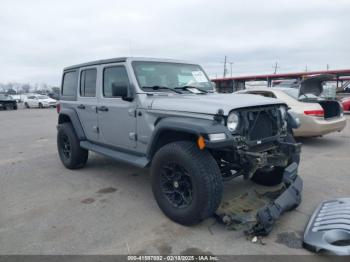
124, 59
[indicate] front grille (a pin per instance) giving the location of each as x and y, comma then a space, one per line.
260, 126
262, 122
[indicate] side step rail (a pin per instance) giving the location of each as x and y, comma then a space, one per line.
138, 161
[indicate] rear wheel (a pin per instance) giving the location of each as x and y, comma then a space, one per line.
274, 175
26, 105
186, 182
40, 105
69, 150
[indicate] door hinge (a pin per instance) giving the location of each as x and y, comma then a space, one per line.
96, 129
133, 136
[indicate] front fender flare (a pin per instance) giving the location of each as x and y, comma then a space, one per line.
190, 126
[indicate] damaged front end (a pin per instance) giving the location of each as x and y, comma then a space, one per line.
261, 144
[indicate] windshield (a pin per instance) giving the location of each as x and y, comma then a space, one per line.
42, 97
170, 76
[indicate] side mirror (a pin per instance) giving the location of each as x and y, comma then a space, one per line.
119, 90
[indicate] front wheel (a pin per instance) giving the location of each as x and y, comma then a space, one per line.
274, 175
186, 182
68, 146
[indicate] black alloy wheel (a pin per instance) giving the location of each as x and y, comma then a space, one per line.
176, 185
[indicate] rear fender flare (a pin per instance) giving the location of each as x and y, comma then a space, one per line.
71, 114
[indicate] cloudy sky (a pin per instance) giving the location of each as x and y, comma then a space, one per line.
39, 38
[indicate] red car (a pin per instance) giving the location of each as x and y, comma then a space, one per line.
346, 103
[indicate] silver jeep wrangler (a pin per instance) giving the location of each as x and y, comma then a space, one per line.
165, 114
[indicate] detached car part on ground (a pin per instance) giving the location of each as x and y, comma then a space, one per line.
7, 103
166, 115
317, 115
329, 228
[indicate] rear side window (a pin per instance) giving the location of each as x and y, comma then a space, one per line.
88, 83
116, 76
69, 83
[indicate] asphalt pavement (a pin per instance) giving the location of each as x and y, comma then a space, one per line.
108, 208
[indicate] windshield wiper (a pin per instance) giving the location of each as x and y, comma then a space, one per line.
156, 87
187, 87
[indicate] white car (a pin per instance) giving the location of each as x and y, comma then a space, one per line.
40, 101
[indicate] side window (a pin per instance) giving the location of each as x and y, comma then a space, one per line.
114, 77
88, 83
69, 83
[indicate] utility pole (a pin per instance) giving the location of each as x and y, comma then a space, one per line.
306, 68
327, 67
275, 68
225, 66
231, 63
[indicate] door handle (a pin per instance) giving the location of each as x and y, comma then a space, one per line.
81, 106
102, 108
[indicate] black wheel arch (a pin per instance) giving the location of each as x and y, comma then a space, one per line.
173, 129
69, 115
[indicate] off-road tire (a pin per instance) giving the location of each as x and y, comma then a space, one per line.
78, 156
275, 176
204, 175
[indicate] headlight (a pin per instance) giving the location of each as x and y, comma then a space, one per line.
283, 111
232, 121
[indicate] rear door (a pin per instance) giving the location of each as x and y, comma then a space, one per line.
87, 102
32, 101
117, 119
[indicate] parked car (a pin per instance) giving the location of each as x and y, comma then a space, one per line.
345, 103
40, 101
7, 103
166, 115
318, 116
15, 97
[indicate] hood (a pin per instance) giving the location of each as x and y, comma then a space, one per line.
210, 103
313, 84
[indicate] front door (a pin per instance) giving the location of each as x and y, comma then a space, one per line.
32, 101
87, 103
117, 121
